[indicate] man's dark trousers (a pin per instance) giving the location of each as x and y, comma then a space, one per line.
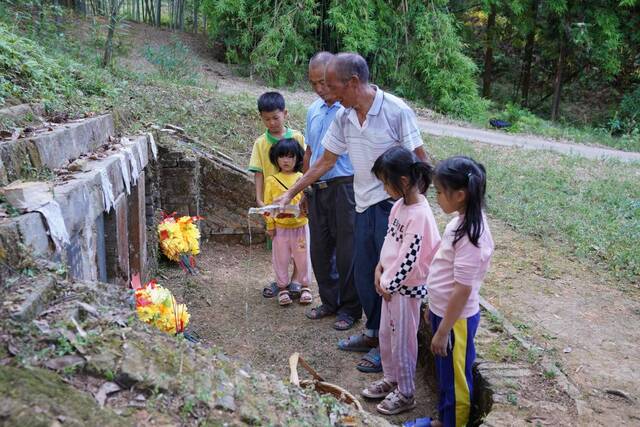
331, 224
371, 228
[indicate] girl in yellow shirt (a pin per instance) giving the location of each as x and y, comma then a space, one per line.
289, 234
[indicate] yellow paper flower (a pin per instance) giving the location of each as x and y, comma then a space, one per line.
156, 306
180, 240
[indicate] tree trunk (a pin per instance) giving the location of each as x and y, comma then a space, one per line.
108, 49
525, 82
113, 17
196, 7
488, 53
158, 11
204, 23
182, 15
557, 85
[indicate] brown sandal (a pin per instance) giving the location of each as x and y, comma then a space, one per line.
284, 298
305, 296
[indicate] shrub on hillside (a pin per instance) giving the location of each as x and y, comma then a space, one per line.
627, 119
30, 73
175, 62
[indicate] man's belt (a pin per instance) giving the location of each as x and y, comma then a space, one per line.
320, 185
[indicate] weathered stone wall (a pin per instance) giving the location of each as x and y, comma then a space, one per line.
195, 181
179, 181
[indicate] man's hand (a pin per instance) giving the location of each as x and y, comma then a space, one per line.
439, 343
272, 233
283, 200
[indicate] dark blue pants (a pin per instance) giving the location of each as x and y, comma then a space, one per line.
454, 372
370, 229
331, 224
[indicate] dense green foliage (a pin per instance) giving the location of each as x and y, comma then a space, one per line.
421, 58
29, 72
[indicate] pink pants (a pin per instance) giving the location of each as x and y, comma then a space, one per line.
290, 243
398, 337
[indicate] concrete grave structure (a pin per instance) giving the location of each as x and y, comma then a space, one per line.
90, 210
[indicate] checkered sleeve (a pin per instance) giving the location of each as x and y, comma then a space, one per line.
408, 262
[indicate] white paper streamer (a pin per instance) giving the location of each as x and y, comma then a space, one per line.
154, 147
107, 190
135, 149
57, 229
135, 172
124, 169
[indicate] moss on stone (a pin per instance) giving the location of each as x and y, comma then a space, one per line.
37, 397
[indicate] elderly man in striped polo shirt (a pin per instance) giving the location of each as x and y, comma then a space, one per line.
371, 122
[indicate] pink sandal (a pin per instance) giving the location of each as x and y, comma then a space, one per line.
305, 296
284, 298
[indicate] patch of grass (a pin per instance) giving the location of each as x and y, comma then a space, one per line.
504, 350
591, 207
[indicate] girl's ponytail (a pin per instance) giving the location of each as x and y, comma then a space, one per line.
463, 173
420, 174
397, 162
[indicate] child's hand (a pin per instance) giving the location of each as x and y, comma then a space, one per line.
439, 343
272, 233
260, 203
378, 275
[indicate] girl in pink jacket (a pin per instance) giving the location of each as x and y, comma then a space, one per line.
401, 275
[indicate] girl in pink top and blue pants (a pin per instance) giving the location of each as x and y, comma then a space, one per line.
411, 240
456, 273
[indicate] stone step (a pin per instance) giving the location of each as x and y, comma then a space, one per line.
30, 297
29, 157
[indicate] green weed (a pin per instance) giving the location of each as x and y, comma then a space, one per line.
64, 347
549, 374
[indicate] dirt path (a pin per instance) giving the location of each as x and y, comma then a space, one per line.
228, 310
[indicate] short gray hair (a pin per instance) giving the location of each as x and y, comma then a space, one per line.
350, 64
320, 58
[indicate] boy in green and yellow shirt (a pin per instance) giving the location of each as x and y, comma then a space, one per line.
273, 113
